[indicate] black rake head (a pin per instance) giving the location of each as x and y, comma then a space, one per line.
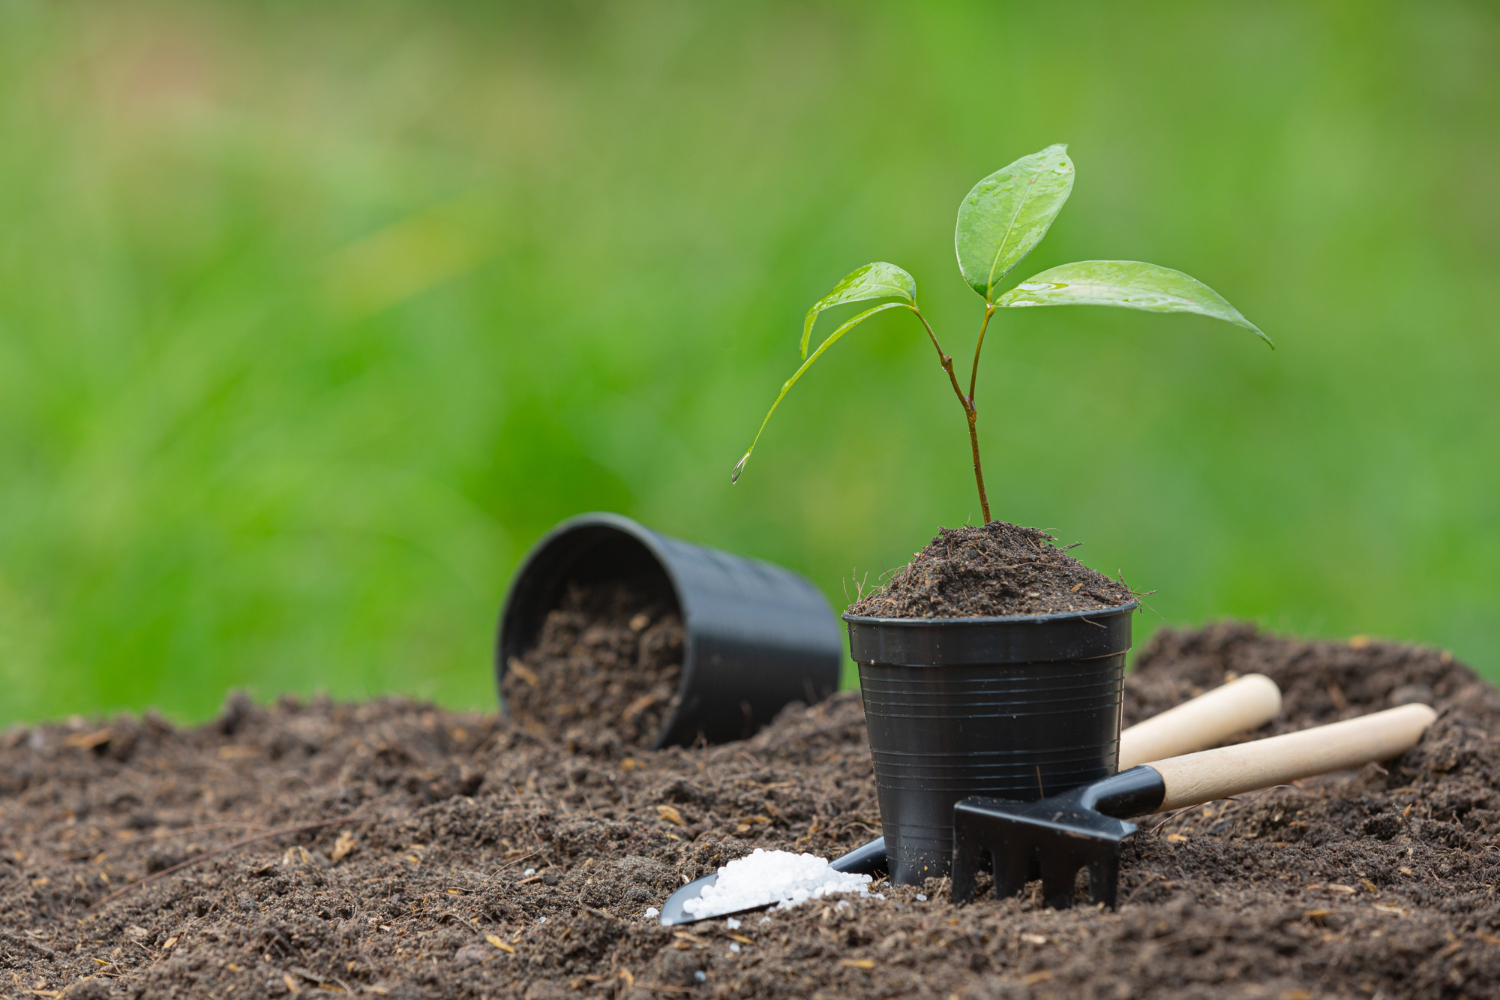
1051, 838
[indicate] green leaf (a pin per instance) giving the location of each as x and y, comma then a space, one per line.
1008, 213
786, 386
1129, 284
873, 281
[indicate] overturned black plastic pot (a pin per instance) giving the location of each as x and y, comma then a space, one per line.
757, 636
1014, 708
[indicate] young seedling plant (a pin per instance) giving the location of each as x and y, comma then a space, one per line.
999, 222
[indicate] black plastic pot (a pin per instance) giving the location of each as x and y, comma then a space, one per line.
758, 636
1015, 708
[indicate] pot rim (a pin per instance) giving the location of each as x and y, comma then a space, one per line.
1133, 605
535, 556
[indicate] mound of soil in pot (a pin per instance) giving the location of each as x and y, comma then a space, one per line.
441, 854
604, 670
995, 569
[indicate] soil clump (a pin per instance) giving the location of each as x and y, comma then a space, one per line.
460, 855
604, 670
992, 570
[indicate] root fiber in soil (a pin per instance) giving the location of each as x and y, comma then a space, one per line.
995, 569
604, 669
456, 855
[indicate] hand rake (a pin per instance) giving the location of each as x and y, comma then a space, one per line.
1084, 828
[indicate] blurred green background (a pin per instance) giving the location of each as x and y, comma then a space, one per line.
314, 317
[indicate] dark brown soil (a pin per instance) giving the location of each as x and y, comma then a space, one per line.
469, 858
604, 670
996, 569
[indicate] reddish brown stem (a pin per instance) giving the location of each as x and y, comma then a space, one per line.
967, 403
989, 311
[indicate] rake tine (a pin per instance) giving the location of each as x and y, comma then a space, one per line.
1011, 868
1104, 879
1059, 871
968, 852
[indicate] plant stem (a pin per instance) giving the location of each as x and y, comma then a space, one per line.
989, 311
967, 403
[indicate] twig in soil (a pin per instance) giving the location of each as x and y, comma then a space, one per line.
598, 913
450, 915
242, 842
156, 957
485, 880
848, 823
1150, 877
313, 977
1235, 803
1166, 817
25, 941
167, 835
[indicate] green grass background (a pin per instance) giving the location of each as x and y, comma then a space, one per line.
314, 317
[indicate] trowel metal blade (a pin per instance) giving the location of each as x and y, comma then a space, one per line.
868, 859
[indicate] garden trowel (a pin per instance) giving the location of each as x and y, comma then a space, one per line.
1207, 720
1084, 828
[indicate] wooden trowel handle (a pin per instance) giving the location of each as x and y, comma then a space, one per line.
1217, 774
1243, 704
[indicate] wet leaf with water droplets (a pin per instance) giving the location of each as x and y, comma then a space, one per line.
873, 281
1126, 284
1005, 215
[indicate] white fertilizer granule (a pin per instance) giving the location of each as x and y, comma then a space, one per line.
768, 878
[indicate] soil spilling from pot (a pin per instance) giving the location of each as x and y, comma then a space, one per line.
996, 569
455, 855
604, 670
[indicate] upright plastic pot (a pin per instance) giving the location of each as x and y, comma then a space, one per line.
757, 636
1015, 708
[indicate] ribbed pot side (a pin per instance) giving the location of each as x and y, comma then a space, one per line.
1014, 708
758, 636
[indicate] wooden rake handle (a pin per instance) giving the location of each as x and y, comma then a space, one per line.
1217, 774
1243, 704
